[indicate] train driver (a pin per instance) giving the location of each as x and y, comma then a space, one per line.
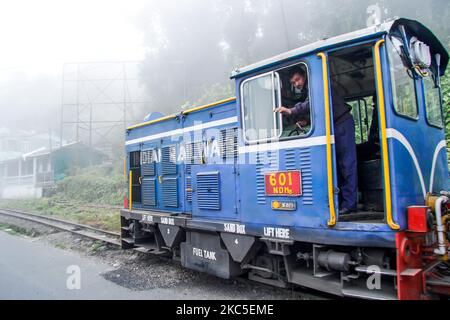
344, 133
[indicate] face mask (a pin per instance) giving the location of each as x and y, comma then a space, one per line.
298, 90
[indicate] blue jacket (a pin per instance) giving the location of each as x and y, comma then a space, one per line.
341, 111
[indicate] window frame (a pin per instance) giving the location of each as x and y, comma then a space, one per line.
440, 127
274, 102
365, 109
275, 71
391, 84
310, 89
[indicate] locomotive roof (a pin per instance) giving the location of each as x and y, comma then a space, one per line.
184, 112
419, 30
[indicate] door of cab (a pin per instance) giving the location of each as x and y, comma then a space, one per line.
135, 176
160, 182
415, 161
168, 177
311, 156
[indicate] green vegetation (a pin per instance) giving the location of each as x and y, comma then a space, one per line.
60, 246
96, 246
90, 196
85, 213
15, 230
101, 185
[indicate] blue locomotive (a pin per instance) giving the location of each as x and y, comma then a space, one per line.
234, 188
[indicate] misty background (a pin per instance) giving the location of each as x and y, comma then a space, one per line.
107, 64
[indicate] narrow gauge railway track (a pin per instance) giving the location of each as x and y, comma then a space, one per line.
64, 225
114, 239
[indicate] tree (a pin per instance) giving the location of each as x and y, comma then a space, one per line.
193, 45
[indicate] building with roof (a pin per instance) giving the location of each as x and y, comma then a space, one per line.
29, 175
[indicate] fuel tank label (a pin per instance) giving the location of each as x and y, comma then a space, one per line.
205, 254
283, 183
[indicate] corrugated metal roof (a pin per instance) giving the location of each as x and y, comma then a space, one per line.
37, 152
11, 155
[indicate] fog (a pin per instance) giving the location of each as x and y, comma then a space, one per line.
64, 55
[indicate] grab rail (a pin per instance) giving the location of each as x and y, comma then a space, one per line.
384, 146
332, 220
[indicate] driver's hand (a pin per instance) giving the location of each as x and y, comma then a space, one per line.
302, 123
283, 110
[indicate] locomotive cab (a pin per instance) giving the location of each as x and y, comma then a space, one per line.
390, 82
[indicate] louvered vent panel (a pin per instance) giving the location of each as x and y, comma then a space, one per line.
198, 152
208, 190
189, 155
170, 192
193, 155
265, 162
169, 159
189, 189
147, 163
229, 141
149, 191
307, 179
291, 159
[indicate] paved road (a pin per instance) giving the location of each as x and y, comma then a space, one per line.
33, 270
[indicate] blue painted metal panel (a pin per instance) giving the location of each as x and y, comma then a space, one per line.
172, 139
312, 206
412, 147
208, 190
170, 192
149, 191
189, 190
169, 160
202, 143
148, 167
171, 176
214, 196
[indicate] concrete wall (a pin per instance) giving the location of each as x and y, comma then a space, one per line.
20, 192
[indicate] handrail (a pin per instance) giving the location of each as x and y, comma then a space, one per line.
332, 220
208, 105
130, 192
384, 146
173, 116
143, 124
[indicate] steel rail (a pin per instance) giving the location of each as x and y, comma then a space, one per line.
60, 224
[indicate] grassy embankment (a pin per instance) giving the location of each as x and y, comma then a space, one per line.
90, 196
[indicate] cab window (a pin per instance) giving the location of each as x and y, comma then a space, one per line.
259, 100
432, 102
363, 110
403, 88
267, 101
295, 95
